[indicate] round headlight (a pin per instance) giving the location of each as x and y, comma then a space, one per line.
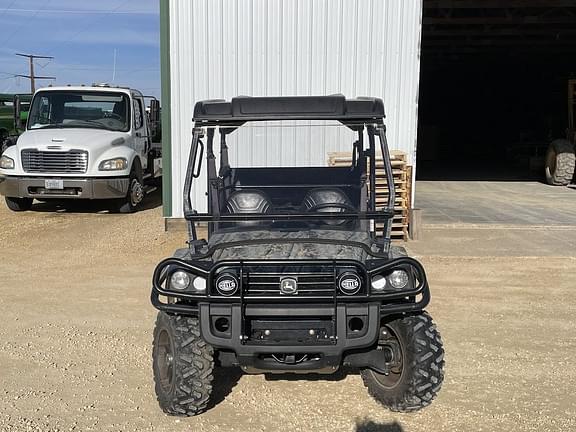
199, 284
349, 283
398, 279
179, 280
226, 284
378, 283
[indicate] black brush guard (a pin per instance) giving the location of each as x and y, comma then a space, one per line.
306, 334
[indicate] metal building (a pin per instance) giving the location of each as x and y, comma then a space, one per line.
218, 49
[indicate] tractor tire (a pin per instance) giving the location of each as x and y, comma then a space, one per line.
19, 204
183, 366
560, 163
416, 380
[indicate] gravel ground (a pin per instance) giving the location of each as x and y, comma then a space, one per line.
75, 339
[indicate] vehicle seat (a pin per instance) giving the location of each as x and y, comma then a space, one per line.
248, 201
325, 196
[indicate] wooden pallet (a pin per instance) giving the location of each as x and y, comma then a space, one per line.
402, 175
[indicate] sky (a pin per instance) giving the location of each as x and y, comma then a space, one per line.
83, 37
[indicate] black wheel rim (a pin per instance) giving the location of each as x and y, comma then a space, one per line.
165, 360
391, 380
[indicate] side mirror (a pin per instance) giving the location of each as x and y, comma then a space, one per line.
154, 117
19, 119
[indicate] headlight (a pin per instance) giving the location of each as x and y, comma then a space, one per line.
399, 279
113, 164
349, 283
226, 284
6, 162
378, 283
179, 280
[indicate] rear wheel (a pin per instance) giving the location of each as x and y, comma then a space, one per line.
183, 366
416, 364
19, 204
560, 163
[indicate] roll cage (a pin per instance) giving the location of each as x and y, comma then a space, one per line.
359, 114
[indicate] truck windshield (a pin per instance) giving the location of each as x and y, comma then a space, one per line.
77, 109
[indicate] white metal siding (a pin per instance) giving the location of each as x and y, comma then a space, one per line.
224, 48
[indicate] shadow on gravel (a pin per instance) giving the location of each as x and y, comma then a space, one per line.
370, 426
225, 379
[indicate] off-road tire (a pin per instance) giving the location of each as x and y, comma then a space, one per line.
19, 204
190, 388
422, 370
560, 163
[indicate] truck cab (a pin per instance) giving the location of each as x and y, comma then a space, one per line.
86, 142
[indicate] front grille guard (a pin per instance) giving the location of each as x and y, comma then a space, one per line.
392, 302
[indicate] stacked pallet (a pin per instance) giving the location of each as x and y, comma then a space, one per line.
401, 173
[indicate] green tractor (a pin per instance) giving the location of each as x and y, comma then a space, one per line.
560, 157
13, 116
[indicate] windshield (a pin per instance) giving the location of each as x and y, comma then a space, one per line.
77, 109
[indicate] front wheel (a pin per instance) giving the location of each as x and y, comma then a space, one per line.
19, 204
134, 196
183, 365
416, 364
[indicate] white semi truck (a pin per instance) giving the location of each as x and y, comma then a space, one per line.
85, 142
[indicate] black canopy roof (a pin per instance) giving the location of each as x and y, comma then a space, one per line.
245, 108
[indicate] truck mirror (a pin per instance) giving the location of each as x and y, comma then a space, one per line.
19, 122
154, 116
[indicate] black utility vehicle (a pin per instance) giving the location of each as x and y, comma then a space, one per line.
297, 274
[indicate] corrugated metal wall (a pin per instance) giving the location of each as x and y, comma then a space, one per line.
224, 48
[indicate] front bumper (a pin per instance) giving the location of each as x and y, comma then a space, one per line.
79, 188
278, 334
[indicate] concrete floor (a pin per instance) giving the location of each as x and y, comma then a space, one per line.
495, 219
502, 203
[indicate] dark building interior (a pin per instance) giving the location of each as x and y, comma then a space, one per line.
493, 89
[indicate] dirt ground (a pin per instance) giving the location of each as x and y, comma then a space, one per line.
76, 331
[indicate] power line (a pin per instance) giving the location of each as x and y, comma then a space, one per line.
71, 38
24, 24
6, 9
32, 77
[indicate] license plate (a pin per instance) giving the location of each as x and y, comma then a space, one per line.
54, 184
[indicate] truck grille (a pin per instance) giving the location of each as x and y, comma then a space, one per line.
73, 161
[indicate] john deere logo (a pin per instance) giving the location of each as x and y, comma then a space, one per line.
288, 286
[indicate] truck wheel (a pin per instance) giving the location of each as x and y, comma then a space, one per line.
134, 196
19, 204
560, 163
418, 371
183, 365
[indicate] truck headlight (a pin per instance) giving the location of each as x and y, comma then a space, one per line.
399, 279
6, 162
113, 164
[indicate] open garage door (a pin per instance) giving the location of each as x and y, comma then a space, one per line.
493, 89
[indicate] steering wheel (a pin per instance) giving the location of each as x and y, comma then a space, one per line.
340, 205
114, 116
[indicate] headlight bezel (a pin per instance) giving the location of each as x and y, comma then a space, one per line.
197, 285
123, 164
7, 163
388, 287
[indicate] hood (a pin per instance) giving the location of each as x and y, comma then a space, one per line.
63, 139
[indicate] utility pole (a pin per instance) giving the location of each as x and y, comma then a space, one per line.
32, 77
